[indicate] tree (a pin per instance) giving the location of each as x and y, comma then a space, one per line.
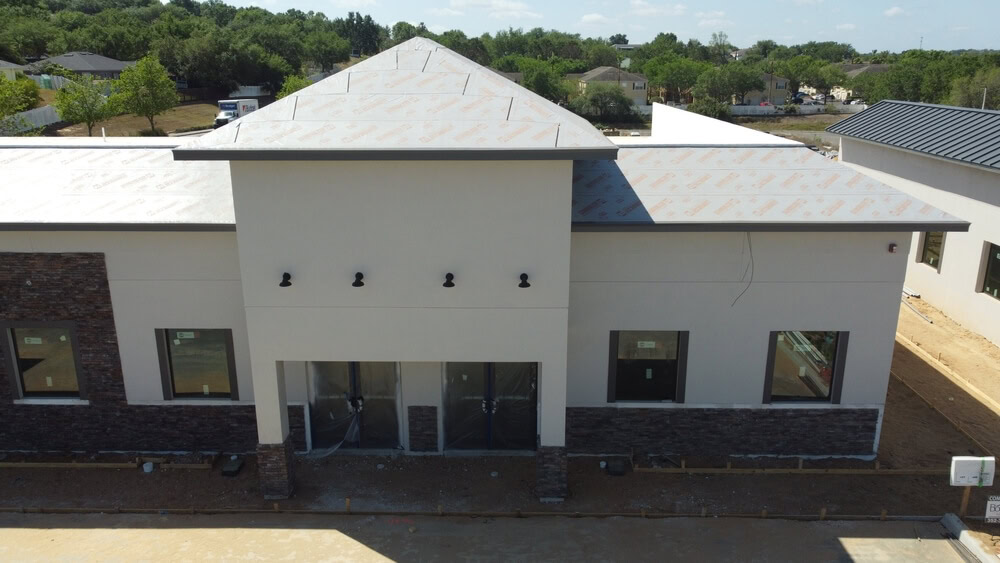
968, 91
825, 77
764, 47
618, 39
83, 101
720, 47
606, 102
673, 74
713, 84
145, 89
326, 48
293, 83
742, 78
15, 97
711, 108
541, 78
597, 54
796, 69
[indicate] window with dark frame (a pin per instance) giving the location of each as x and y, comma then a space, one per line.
197, 363
991, 281
930, 253
647, 365
43, 359
805, 366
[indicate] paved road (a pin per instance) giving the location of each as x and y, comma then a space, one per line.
37, 537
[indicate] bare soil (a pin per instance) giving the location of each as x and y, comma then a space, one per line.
811, 122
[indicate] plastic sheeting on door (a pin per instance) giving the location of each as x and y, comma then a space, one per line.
464, 410
515, 412
353, 406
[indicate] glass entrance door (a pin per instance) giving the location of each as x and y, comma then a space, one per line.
491, 406
353, 405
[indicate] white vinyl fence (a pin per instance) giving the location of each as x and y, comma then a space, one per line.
801, 109
50, 82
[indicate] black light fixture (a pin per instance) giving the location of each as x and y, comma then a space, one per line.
524, 281
357, 280
286, 280
449, 280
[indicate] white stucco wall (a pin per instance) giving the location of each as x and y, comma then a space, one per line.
159, 280
404, 225
688, 281
970, 193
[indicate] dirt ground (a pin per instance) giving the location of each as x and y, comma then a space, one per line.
812, 122
182, 116
270, 537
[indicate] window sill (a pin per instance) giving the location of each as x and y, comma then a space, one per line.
193, 402
53, 401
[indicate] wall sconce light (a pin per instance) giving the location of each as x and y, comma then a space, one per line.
286, 280
524, 281
449, 280
357, 280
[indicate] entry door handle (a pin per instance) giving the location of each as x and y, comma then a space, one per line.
496, 403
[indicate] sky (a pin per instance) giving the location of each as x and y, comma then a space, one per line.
893, 25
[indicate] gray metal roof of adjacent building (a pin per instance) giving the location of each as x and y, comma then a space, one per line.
967, 135
83, 61
417, 100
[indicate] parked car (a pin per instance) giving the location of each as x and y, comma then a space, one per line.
796, 100
766, 104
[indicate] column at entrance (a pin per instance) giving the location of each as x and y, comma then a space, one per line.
275, 454
550, 458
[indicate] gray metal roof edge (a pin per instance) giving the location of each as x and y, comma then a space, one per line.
735, 226
713, 146
123, 227
550, 153
948, 159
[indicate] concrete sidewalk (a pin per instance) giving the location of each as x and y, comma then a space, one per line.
37, 537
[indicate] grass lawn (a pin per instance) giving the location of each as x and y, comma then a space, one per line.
48, 96
816, 122
183, 116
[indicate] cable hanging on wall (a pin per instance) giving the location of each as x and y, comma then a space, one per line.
749, 267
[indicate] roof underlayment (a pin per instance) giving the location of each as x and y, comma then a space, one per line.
417, 100
966, 135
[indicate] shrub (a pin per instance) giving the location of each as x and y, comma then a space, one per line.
790, 108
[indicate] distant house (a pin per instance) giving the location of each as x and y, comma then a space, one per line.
738, 54
88, 64
775, 91
8, 70
627, 46
841, 92
633, 84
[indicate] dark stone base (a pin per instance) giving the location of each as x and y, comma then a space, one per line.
683, 431
550, 474
275, 469
423, 426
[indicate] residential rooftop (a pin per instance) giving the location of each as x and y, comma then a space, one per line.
610, 74
964, 135
84, 61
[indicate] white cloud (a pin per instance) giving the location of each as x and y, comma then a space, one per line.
643, 8
716, 23
500, 9
714, 14
437, 28
593, 19
353, 4
846, 27
445, 12
808, 2
894, 11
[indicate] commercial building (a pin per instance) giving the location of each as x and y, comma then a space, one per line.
948, 157
418, 255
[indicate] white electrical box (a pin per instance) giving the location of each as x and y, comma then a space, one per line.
973, 471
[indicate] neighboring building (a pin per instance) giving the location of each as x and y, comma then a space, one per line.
775, 91
738, 54
627, 46
417, 255
85, 63
842, 92
9, 70
950, 158
634, 85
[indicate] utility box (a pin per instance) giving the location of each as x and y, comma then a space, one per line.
971, 471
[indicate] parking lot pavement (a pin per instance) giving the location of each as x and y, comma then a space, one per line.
122, 537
